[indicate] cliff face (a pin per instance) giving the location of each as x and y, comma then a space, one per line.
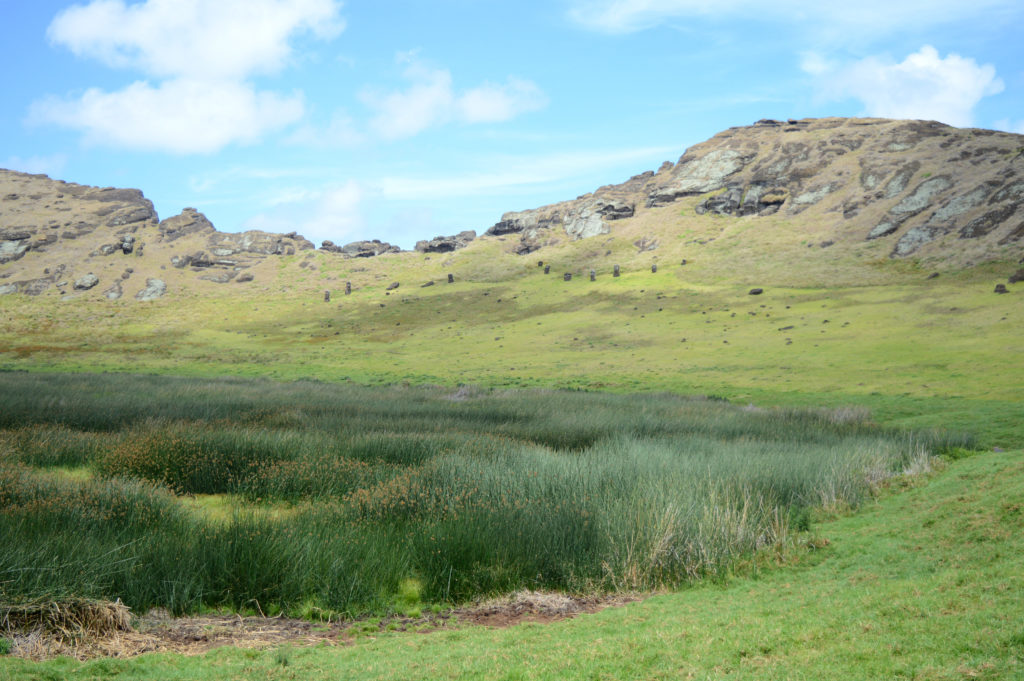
923, 187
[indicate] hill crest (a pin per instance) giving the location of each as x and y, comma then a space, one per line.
866, 189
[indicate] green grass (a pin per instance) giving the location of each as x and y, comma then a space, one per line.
922, 584
938, 352
371, 490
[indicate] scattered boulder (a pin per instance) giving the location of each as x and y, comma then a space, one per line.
1001, 288
755, 291
645, 244
87, 282
392, 286
244, 277
1016, 276
155, 288
446, 244
115, 291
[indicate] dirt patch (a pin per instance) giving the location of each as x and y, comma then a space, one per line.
157, 631
534, 606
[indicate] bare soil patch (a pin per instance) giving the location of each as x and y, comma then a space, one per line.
157, 631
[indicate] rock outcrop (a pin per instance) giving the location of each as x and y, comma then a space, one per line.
155, 288
446, 244
46, 225
361, 249
917, 186
584, 217
189, 221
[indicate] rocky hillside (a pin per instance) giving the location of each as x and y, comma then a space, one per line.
870, 188
58, 236
921, 188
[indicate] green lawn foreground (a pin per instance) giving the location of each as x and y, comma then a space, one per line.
926, 583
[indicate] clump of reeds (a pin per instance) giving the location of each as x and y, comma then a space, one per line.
68, 619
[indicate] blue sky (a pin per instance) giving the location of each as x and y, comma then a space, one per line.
405, 120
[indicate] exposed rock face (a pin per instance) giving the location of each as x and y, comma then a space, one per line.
914, 186
361, 249
446, 244
48, 223
698, 175
261, 243
189, 221
13, 245
155, 288
589, 219
584, 217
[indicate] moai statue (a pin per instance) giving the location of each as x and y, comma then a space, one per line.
451, 278
567, 276
547, 269
327, 296
615, 272
348, 288
593, 275
654, 268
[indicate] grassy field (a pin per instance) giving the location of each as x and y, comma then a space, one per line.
918, 352
416, 432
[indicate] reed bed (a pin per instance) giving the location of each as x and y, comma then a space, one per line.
461, 493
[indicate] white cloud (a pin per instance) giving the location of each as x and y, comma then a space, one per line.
495, 103
924, 85
342, 131
517, 173
815, 64
201, 53
48, 165
193, 38
333, 213
431, 100
176, 116
833, 18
